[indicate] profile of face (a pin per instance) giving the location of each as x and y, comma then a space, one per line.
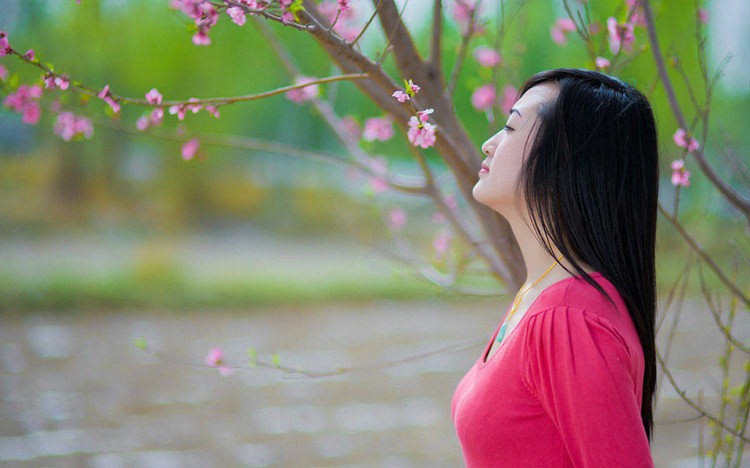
507, 150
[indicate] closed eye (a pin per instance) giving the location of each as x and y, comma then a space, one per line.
508, 128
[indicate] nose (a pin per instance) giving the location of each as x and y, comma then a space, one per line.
487, 148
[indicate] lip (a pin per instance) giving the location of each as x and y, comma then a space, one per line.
485, 169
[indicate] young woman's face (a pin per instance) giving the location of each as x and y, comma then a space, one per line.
507, 150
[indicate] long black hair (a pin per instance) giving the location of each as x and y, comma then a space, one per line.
591, 184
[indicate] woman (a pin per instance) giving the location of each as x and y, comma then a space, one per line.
569, 376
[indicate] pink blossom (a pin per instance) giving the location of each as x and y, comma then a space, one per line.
3, 72
142, 123
507, 99
601, 63
285, 3
483, 97
238, 15
153, 96
215, 358
344, 5
451, 202
179, 109
194, 108
106, 96
424, 115
683, 139
287, 17
703, 15
5, 48
190, 149
441, 243
52, 82
25, 102
680, 177
378, 184
562, 26
351, 127
400, 96
377, 128
69, 126
157, 116
397, 218
438, 217
421, 134
487, 56
303, 94
29, 55
462, 11
412, 88
638, 18
620, 36
213, 110
201, 39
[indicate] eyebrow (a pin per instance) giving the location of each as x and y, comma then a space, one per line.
516, 111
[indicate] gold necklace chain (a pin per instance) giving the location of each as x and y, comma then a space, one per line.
519, 298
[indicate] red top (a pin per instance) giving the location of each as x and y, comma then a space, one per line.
562, 390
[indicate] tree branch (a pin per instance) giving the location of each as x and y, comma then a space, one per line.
739, 202
437, 32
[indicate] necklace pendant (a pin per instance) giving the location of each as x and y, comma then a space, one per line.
501, 333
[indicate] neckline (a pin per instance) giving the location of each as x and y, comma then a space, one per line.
484, 359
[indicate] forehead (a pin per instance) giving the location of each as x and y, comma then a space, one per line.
536, 96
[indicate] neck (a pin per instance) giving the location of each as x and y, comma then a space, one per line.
535, 256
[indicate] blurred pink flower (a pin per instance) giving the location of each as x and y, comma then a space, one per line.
351, 127
378, 184
462, 11
507, 99
287, 17
703, 15
106, 95
29, 55
52, 82
190, 149
5, 48
344, 5
483, 97
24, 101
68, 126
377, 128
397, 218
142, 123
620, 36
683, 139
680, 177
215, 358
602, 63
306, 93
438, 217
487, 56
562, 26
3, 72
441, 243
237, 14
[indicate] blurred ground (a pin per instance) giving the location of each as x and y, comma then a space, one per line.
77, 393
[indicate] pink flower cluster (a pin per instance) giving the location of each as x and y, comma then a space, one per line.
106, 95
411, 91
156, 116
69, 126
620, 36
602, 63
421, 133
683, 139
181, 109
680, 177
52, 82
5, 48
215, 358
3, 72
203, 13
345, 26
560, 28
487, 56
483, 97
26, 102
397, 218
378, 128
306, 93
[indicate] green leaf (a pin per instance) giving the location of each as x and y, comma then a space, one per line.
276, 359
140, 343
296, 7
252, 356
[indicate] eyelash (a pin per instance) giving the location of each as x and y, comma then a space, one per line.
507, 128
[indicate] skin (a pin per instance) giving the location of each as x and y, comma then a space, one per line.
505, 153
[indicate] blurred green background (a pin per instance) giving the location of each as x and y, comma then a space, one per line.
122, 220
